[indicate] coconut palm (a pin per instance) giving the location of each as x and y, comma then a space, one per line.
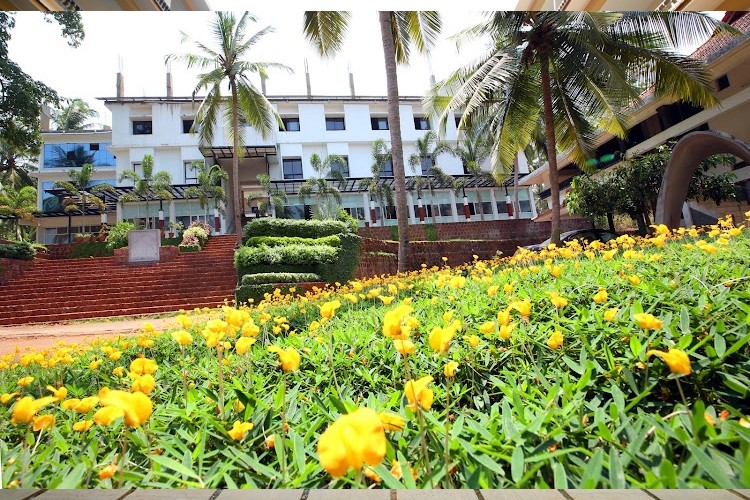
428, 149
208, 187
147, 186
14, 167
82, 192
399, 30
380, 190
271, 200
74, 115
473, 149
578, 72
327, 196
19, 204
225, 64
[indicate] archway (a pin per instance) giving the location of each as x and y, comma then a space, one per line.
689, 151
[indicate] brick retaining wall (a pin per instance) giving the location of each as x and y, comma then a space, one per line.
12, 268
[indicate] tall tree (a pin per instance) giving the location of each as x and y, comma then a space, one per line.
19, 204
379, 188
327, 196
147, 186
225, 64
578, 72
208, 190
82, 192
399, 30
73, 115
473, 149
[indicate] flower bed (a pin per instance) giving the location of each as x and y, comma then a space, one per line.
617, 365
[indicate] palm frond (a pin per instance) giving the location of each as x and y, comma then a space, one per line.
326, 30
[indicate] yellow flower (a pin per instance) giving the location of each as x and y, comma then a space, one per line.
95, 364
7, 397
69, 404
238, 406
26, 407
558, 301
610, 314
393, 289
609, 254
600, 296
634, 280
444, 259
508, 288
269, 442
661, 229
250, 329
492, 291
416, 392
392, 422
648, 321
472, 340
328, 309
314, 325
440, 338
457, 282
148, 328
386, 299
83, 425
352, 441
735, 231
137, 406
676, 359
141, 366
86, 404
60, 393
276, 330
119, 371
503, 317
144, 342
25, 381
404, 346
243, 344
555, 340
182, 337
556, 271
144, 384
487, 327
392, 322
448, 316
523, 307
184, 321
450, 369
107, 415
107, 472
43, 421
709, 248
289, 358
239, 429
114, 355
506, 330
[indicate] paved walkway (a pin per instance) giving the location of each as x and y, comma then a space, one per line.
376, 494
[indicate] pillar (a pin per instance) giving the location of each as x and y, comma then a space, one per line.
467, 211
161, 219
118, 213
410, 204
421, 210
365, 204
687, 215
172, 215
454, 211
493, 200
217, 223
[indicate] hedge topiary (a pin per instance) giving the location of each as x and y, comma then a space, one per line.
269, 226
265, 278
19, 251
278, 241
91, 249
189, 248
304, 258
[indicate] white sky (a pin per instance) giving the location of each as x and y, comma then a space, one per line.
143, 39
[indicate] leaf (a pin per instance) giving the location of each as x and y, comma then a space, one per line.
667, 474
516, 464
72, 479
684, 320
635, 346
561, 479
710, 467
593, 471
388, 479
174, 465
616, 474
720, 344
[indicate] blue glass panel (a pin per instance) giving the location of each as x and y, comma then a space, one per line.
71, 155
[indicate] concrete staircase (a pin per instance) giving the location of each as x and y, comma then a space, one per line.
57, 290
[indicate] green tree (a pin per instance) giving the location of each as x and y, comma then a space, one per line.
73, 115
208, 187
327, 196
82, 192
473, 149
270, 199
147, 187
578, 72
225, 64
19, 204
380, 189
428, 149
399, 31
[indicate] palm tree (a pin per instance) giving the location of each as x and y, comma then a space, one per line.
473, 149
149, 186
399, 30
226, 64
14, 169
269, 198
577, 72
19, 204
76, 158
327, 196
455, 184
74, 115
82, 193
428, 149
380, 189
208, 187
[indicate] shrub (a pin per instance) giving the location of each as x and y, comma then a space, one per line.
118, 235
19, 251
91, 249
201, 224
276, 241
351, 222
170, 242
342, 270
194, 235
394, 232
246, 259
430, 232
269, 226
263, 278
189, 248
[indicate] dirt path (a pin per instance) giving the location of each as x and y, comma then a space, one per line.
42, 336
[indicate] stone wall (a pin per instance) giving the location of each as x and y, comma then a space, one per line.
12, 268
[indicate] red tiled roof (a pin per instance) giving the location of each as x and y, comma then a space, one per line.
721, 43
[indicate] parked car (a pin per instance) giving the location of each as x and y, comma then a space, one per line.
583, 235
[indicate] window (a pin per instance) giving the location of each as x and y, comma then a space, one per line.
142, 127
356, 212
191, 174
722, 82
137, 167
344, 169
525, 205
502, 208
187, 124
445, 210
427, 164
421, 123
379, 123
94, 147
291, 124
335, 123
292, 168
458, 119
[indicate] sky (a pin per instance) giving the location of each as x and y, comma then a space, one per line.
139, 41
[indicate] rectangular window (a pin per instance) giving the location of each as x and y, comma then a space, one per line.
445, 210
460, 209
427, 164
502, 208
142, 127
525, 205
187, 124
387, 169
356, 212
291, 124
94, 146
421, 123
335, 123
137, 167
487, 207
379, 123
292, 168
191, 174
344, 169
722, 82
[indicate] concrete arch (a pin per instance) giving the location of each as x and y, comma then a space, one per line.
689, 151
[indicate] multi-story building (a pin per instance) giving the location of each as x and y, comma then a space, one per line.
658, 121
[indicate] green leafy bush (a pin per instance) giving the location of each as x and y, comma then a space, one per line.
118, 235
269, 226
277, 241
342, 270
194, 235
263, 278
431, 232
394, 232
91, 249
20, 251
170, 242
347, 219
246, 259
189, 248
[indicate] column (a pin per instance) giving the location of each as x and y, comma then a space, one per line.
454, 211
493, 200
118, 212
365, 206
531, 202
410, 204
173, 216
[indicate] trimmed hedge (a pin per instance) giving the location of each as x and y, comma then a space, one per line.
257, 292
247, 260
269, 226
264, 278
91, 249
170, 242
345, 265
18, 251
189, 248
280, 241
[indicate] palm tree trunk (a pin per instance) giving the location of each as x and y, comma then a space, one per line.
397, 150
549, 125
236, 163
479, 202
517, 206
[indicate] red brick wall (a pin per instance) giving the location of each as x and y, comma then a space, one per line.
61, 251
12, 268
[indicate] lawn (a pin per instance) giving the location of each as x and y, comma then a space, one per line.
618, 365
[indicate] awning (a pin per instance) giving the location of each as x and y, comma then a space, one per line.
224, 152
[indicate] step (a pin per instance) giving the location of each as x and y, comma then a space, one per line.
101, 282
